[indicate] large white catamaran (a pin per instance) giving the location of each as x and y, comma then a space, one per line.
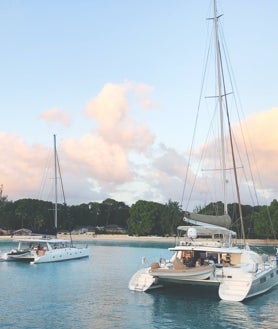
205, 254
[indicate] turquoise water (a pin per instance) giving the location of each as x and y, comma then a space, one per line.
93, 293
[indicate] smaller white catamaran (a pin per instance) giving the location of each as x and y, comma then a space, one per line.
206, 255
37, 249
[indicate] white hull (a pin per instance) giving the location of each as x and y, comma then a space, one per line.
45, 250
239, 285
231, 285
142, 281
15, 255
180, 275
235, 274
63, 254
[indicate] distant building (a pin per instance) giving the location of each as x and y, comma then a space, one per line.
22, 231
3, 232
114, 229
82, 230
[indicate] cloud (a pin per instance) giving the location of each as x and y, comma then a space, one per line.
112, 111
91, 156
55, 115
119, 156
256, 155
262, 140
21, 166
95, 164
105, 153
142, 94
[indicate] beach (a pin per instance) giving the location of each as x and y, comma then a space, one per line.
125, 237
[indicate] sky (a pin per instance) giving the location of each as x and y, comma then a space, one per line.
118, 82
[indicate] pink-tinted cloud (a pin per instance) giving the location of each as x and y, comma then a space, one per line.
99, 161
263, 137
111, 110
256, 155
92, 157
118, 157
142, 94
21, 166
104, 154
56, 116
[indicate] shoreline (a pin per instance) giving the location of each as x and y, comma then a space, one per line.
125, 237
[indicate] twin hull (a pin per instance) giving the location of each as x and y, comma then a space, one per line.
46, 256
231, 283
57, 255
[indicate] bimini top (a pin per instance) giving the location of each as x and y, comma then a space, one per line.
208, 230
43, 240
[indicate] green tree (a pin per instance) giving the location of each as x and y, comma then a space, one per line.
112, 212
171, 218
144, 218
266, 221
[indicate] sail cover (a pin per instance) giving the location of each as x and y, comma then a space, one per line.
223, 221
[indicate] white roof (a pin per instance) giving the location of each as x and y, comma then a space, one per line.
208, 229
43, 240
228, 250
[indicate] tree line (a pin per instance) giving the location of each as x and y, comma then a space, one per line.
141, 218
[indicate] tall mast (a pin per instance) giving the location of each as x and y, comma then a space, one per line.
55, 179
219, 82
220, 78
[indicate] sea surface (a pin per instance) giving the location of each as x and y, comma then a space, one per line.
93, 293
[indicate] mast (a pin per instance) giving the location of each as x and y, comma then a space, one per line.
219, 81
220, 78
55, 179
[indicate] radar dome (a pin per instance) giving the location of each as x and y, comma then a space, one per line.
192, 233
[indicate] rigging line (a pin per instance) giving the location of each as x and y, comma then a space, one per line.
194, 134
244, 171
218, 169
234, 87
60, 176
245, 146
232, 150
205, 68
45, 176
271, 223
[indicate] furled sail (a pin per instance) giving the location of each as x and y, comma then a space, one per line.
223, 221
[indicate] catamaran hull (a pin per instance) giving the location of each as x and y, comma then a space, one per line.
240, 286
146, 278
230, 286
45, 250
19, 256
194, 274
59, 255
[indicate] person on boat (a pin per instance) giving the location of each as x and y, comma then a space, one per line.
224, 262
198, 262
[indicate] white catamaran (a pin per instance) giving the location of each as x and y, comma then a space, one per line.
206, 255
37, 249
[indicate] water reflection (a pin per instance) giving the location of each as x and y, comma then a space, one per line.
236, 315
178, 309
